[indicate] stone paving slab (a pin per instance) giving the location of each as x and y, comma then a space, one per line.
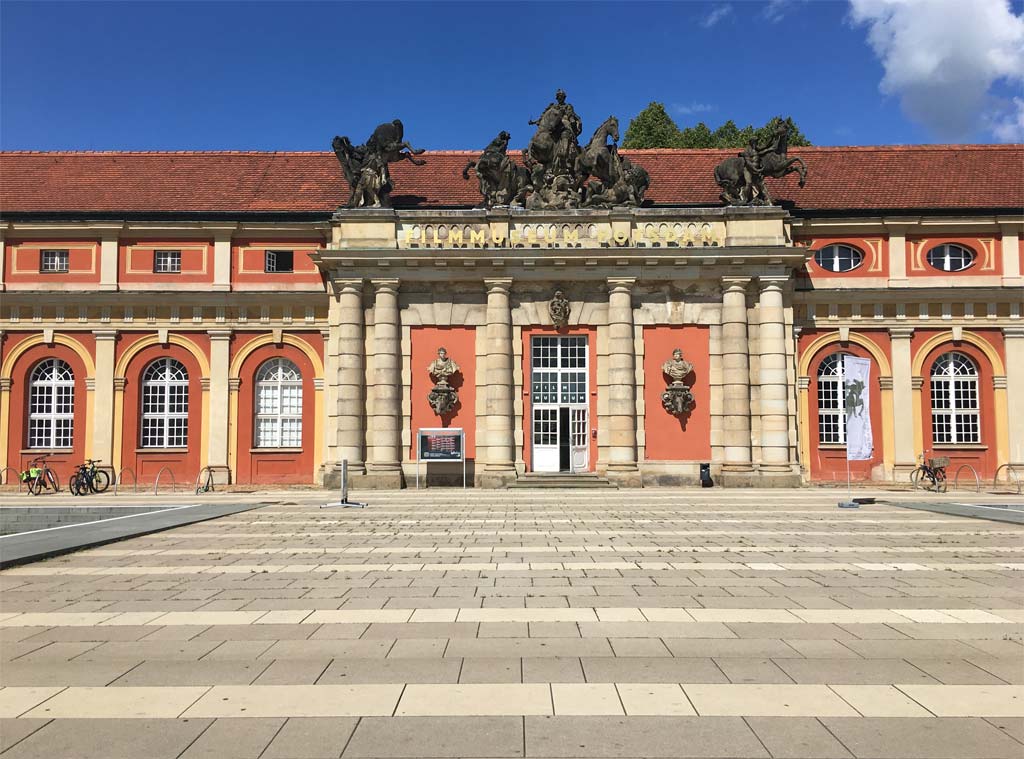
526, 624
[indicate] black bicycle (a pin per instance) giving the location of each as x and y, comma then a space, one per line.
88, 478
204, 482
39, 477
930, 475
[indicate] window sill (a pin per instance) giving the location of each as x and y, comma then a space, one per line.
831, 446
276, 450
44, 451
960, 446
183, 449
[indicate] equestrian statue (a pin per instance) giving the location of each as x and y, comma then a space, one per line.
742, 176
366, 166
503, 182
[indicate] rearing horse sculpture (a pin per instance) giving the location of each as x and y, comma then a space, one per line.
742, 177
598, 159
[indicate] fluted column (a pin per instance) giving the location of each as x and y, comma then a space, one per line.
735, 376
351, 400
621, 380
499, 467
386, 409
773, 378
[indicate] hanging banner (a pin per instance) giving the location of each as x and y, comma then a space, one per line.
856, 376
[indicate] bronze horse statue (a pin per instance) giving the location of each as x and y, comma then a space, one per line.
742, 176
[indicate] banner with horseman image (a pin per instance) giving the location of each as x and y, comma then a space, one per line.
856, 376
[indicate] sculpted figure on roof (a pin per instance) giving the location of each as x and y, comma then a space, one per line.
366, 166
502, 181
742, 177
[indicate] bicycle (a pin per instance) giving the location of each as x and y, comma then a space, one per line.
88, 478
930, 475
204, 485
38, 478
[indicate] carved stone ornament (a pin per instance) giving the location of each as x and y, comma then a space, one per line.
442, 397
366, 166
503, 182
558, 308
742, 176
677, 398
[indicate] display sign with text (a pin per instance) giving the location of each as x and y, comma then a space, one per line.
441, 444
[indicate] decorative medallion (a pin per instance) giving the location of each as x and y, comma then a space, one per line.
442, 397
559, 310
677, 398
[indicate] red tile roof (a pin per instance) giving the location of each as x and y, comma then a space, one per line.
840, 178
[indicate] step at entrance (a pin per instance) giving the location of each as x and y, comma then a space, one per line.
561, 480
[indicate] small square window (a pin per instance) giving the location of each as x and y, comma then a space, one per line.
53, 261
167, 261
279, 261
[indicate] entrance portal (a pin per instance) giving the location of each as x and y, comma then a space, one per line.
559, 396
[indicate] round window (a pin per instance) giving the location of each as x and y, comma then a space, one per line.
951, 257
838, 258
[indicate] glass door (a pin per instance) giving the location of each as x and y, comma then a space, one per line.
559, 395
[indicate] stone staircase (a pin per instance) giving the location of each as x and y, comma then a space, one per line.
561, 480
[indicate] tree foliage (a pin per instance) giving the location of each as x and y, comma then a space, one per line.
654, 128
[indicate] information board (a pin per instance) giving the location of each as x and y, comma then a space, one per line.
441, 444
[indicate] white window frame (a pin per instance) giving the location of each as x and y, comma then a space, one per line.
164, 386
946, 260
51, 405
856, 258
54, 261
166, 261
833, 387
270, 265
277, 405
955, 400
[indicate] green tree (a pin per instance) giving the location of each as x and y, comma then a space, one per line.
652, 128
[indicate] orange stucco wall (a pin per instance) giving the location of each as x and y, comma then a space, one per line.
460, 343
135, 262
988, 252
875, 264
248, 261
671, 438
22, 261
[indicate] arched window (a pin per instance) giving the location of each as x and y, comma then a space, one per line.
950, 257
956, 415
51, 405
831, 409
278, 405
838, 258
165, 404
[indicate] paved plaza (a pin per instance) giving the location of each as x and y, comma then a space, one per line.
526, 623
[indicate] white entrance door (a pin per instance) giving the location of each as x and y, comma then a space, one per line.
559, 396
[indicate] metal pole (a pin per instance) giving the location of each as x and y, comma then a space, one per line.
345, 502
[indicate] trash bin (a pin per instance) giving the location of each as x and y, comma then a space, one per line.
705, 476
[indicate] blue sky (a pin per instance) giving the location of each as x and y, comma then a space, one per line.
289, 76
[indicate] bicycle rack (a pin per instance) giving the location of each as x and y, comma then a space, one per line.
117, 480
956, 477
17, 476
1010, 469
156, 483
200, 476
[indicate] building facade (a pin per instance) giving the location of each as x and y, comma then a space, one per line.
179, 311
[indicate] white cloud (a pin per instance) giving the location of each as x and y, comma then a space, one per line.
775, 10
942, 57
717, 13
688, 109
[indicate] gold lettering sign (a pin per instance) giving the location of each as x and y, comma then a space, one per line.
441, 235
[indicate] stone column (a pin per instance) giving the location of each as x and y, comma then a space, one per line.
715, 400
1014, 340
103, 398
773, 379
109, 252
499, 467
622, 465
351, 374
735, 381
219, 398
385, 466
903, 402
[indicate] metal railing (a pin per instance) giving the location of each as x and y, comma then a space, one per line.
118, 480
1010, 470
17, 476
956, 477
156, 482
